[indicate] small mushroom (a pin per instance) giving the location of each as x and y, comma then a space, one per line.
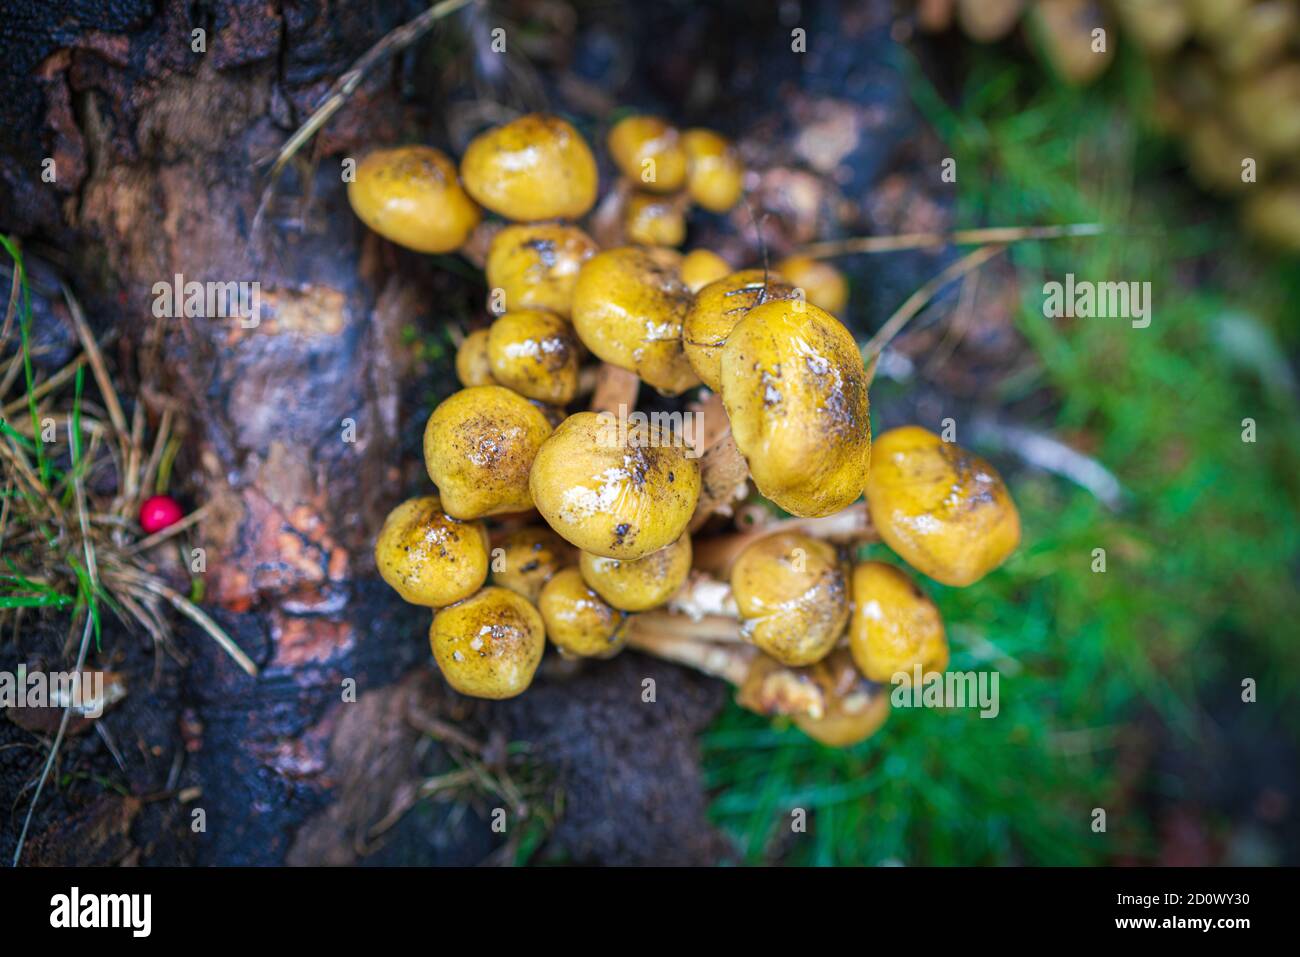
823, 285
1064, 31
795, 390
535, 265
411, 196
701, 267
829, 701
490, 644
792, 596
428, 557
653, 220
473, 367
715, 175
578, 621
628, 307
945, 511
535, 353
642, 583
716, 310
649, 152
479, 446
535, 167
614, 488
527, 559
988, 20
895, 626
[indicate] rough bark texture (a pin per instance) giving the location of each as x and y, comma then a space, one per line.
157, 151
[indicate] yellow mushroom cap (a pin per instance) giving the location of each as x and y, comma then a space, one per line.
652, 220
945, 511
488, 645
829, 700
642, 583
473, 367
628, 308
795, 389
536, 354
536, 265
526, 559
428, 557
535, 167
648, 151
715, 175
717, 308
792, 596
701, 267
895, 625
616, 492
1272, 213
578, 621
479, 446
411, 196
823, 285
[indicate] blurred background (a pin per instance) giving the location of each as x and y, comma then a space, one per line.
1176, 127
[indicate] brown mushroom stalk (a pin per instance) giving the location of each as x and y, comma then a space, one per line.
716, 554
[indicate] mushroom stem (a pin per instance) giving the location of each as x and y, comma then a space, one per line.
718, 629
702, 596
723, 470
615, 389
714, 556
729, 662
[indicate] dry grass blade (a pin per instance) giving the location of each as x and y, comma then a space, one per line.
919, 299
399, 39
999, 235
191, 611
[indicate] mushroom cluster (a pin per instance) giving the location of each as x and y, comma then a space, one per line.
563, 513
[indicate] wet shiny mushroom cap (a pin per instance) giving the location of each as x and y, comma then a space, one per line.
528, 558
473, 367
535, 353
795, 389
615, 492
411, 195
654, 220
640, 584
628, 308
701, 267
895, 626
715, 175
536, 167
578, 621
829, 700
823, 285
428, 557
536, 265
490, 644
792, 596
479, 446
649, 152
856, 708
717, 308
945, 511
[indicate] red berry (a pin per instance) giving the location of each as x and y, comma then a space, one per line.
158, 512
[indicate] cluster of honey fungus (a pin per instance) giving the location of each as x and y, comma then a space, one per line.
562, 513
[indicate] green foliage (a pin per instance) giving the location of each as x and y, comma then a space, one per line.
1200, 561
